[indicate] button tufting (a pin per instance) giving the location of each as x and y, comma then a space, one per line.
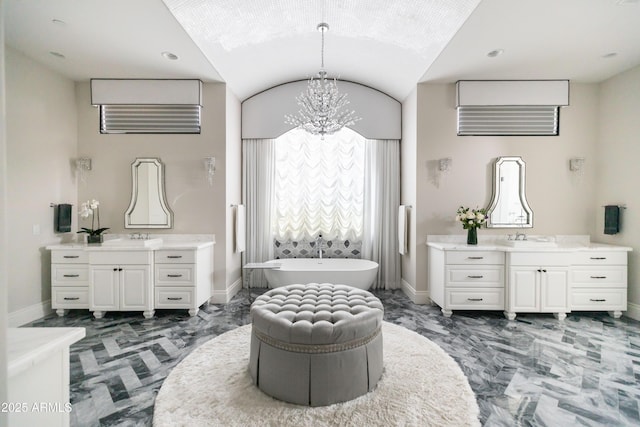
331, 313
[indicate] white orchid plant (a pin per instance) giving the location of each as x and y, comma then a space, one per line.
471, 218
91, 208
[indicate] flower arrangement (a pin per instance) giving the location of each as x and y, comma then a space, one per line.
92, 208
471, 218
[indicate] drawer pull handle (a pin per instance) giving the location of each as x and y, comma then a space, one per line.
71, 256
174, 298
71, 275
475, 277
474, 299
598, 277
598, 257
475, 257
174, 275
71, 298
597, 300
174, 256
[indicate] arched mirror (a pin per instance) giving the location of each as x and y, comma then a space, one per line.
148, 208
509, 207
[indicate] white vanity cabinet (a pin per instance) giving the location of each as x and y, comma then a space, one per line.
120, 281
538, 283
466, 280
569, 274
69, 280
599, 282
183, 278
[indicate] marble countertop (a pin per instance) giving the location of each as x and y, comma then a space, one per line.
532, 244
29, 346
169, 241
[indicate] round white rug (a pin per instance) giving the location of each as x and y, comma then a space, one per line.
421, 386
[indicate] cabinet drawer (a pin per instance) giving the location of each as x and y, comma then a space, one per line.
599, 258
70, 274
475, 257
478, 276
174, 297
120, 257
73, 256
175, 274
599, 299
70, 297
175, 257
540, 259
475, 299
599, 277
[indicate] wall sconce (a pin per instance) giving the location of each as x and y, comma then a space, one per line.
210, 169
576, 164
444, 165
83, 165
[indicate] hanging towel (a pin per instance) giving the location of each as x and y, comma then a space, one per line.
240, 228
611, 219
402, 229
63, 218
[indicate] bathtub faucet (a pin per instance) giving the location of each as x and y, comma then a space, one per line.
319, 245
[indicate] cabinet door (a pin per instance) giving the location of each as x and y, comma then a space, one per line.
554, 283
135, 288
104, 288
524, 289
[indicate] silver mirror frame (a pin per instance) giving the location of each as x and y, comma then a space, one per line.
497, 187
161, 195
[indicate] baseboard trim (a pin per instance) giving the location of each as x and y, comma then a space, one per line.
633, 311
418, 297
224, 296
29, 314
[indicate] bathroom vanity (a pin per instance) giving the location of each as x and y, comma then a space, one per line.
124, 274
558, 275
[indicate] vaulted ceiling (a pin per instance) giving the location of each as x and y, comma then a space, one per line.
389, 45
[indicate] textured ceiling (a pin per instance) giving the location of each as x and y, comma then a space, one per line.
381, 43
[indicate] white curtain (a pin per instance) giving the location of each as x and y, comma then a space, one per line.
319, 186
382, 198
258, 164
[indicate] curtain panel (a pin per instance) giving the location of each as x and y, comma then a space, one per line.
258, 165
382, 198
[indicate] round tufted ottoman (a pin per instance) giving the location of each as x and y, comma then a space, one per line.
316, 344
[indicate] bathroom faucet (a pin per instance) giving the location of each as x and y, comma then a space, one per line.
319, 245
518, 235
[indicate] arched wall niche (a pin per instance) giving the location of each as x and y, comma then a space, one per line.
263, 113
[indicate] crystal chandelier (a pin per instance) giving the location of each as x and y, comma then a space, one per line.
320, 105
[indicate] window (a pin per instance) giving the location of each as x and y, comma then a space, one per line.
319, 186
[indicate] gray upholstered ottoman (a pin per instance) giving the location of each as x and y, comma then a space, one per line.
316, 344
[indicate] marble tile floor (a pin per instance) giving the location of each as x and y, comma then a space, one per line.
534, 371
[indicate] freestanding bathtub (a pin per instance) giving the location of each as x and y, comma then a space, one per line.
359, 273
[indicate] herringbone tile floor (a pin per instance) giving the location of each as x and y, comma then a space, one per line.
534, 371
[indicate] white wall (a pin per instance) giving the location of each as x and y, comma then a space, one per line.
233, 170
3, 228
41, 143
408, 192
562, 202
616, 159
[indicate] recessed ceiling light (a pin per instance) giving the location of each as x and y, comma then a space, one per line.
57, 55
170, 56
494, 53
610, 55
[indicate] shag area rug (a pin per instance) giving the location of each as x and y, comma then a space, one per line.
421, 386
